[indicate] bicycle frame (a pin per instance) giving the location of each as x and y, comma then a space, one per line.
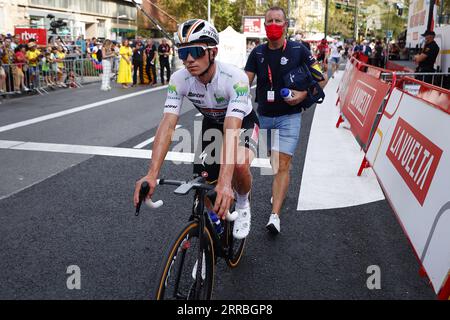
207, 235
199, 214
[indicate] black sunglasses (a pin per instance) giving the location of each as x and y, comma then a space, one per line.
195, 52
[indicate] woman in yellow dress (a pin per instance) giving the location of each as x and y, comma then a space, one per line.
124, 76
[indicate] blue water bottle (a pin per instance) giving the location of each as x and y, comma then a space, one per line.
286, 94
216, 221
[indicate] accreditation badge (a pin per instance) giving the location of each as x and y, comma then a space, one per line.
270, 96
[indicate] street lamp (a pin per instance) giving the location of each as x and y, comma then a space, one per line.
117, 25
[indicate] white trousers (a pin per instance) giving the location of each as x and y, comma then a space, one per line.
106, 78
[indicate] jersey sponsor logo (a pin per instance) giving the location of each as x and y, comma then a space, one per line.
196, 95
219, 99
238, 111
284, 61
172, 89
415, 157
170, 106
241, 89
195, 101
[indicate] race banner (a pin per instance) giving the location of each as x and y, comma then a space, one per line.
345, 81
410, 154
363, 98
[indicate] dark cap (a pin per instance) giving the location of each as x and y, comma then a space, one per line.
429, 33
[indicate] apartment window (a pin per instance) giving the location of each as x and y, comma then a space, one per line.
63, 4
101, 29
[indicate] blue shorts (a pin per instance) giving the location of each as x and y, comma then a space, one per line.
335, 60
283, 132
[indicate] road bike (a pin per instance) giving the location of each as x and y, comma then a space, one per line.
200, 243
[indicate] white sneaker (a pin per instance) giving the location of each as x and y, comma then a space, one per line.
241, 226
194, 271
274, 224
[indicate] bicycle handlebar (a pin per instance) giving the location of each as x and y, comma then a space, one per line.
183, 188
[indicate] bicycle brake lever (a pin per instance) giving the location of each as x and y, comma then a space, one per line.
145, 188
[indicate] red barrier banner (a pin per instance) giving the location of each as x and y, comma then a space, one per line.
345, 81
364, 98
40, 35
410, 155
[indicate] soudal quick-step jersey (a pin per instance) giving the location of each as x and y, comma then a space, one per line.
228, 93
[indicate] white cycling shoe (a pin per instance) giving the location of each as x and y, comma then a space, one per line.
274, 224
241, 226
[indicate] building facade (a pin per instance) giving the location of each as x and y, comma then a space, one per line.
89, 18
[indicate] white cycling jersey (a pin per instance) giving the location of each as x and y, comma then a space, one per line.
228, 93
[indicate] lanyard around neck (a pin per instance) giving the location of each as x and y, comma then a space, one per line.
269, 71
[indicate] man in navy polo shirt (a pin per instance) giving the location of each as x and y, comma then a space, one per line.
270, 62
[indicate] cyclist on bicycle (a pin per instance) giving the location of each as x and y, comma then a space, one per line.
221, 93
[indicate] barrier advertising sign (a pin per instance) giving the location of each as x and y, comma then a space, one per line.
410, 154
364, 97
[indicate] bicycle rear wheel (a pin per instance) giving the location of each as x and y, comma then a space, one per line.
180, 268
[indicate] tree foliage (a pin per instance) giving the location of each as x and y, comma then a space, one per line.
224, 13
341, 21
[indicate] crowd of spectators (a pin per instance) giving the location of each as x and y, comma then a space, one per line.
28, 66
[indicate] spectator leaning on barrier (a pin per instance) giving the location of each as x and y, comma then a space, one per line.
8, 60
365, 51
272, 62
2, 75
19, 61
59, 58
427, 57
33, 56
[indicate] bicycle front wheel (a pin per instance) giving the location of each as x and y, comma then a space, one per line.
235, 246
180, 270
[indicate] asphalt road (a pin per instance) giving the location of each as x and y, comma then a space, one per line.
62, 209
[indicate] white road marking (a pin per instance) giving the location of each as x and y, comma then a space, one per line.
332, 161
74, 110
184, 157
148, 141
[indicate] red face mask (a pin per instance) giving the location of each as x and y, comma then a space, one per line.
274, 31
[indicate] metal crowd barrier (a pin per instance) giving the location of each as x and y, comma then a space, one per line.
18, 79
438, 79
22, 78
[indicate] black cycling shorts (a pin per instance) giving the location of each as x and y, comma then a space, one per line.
321, 57
207, 158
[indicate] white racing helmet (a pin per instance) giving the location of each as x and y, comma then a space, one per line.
196, 30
